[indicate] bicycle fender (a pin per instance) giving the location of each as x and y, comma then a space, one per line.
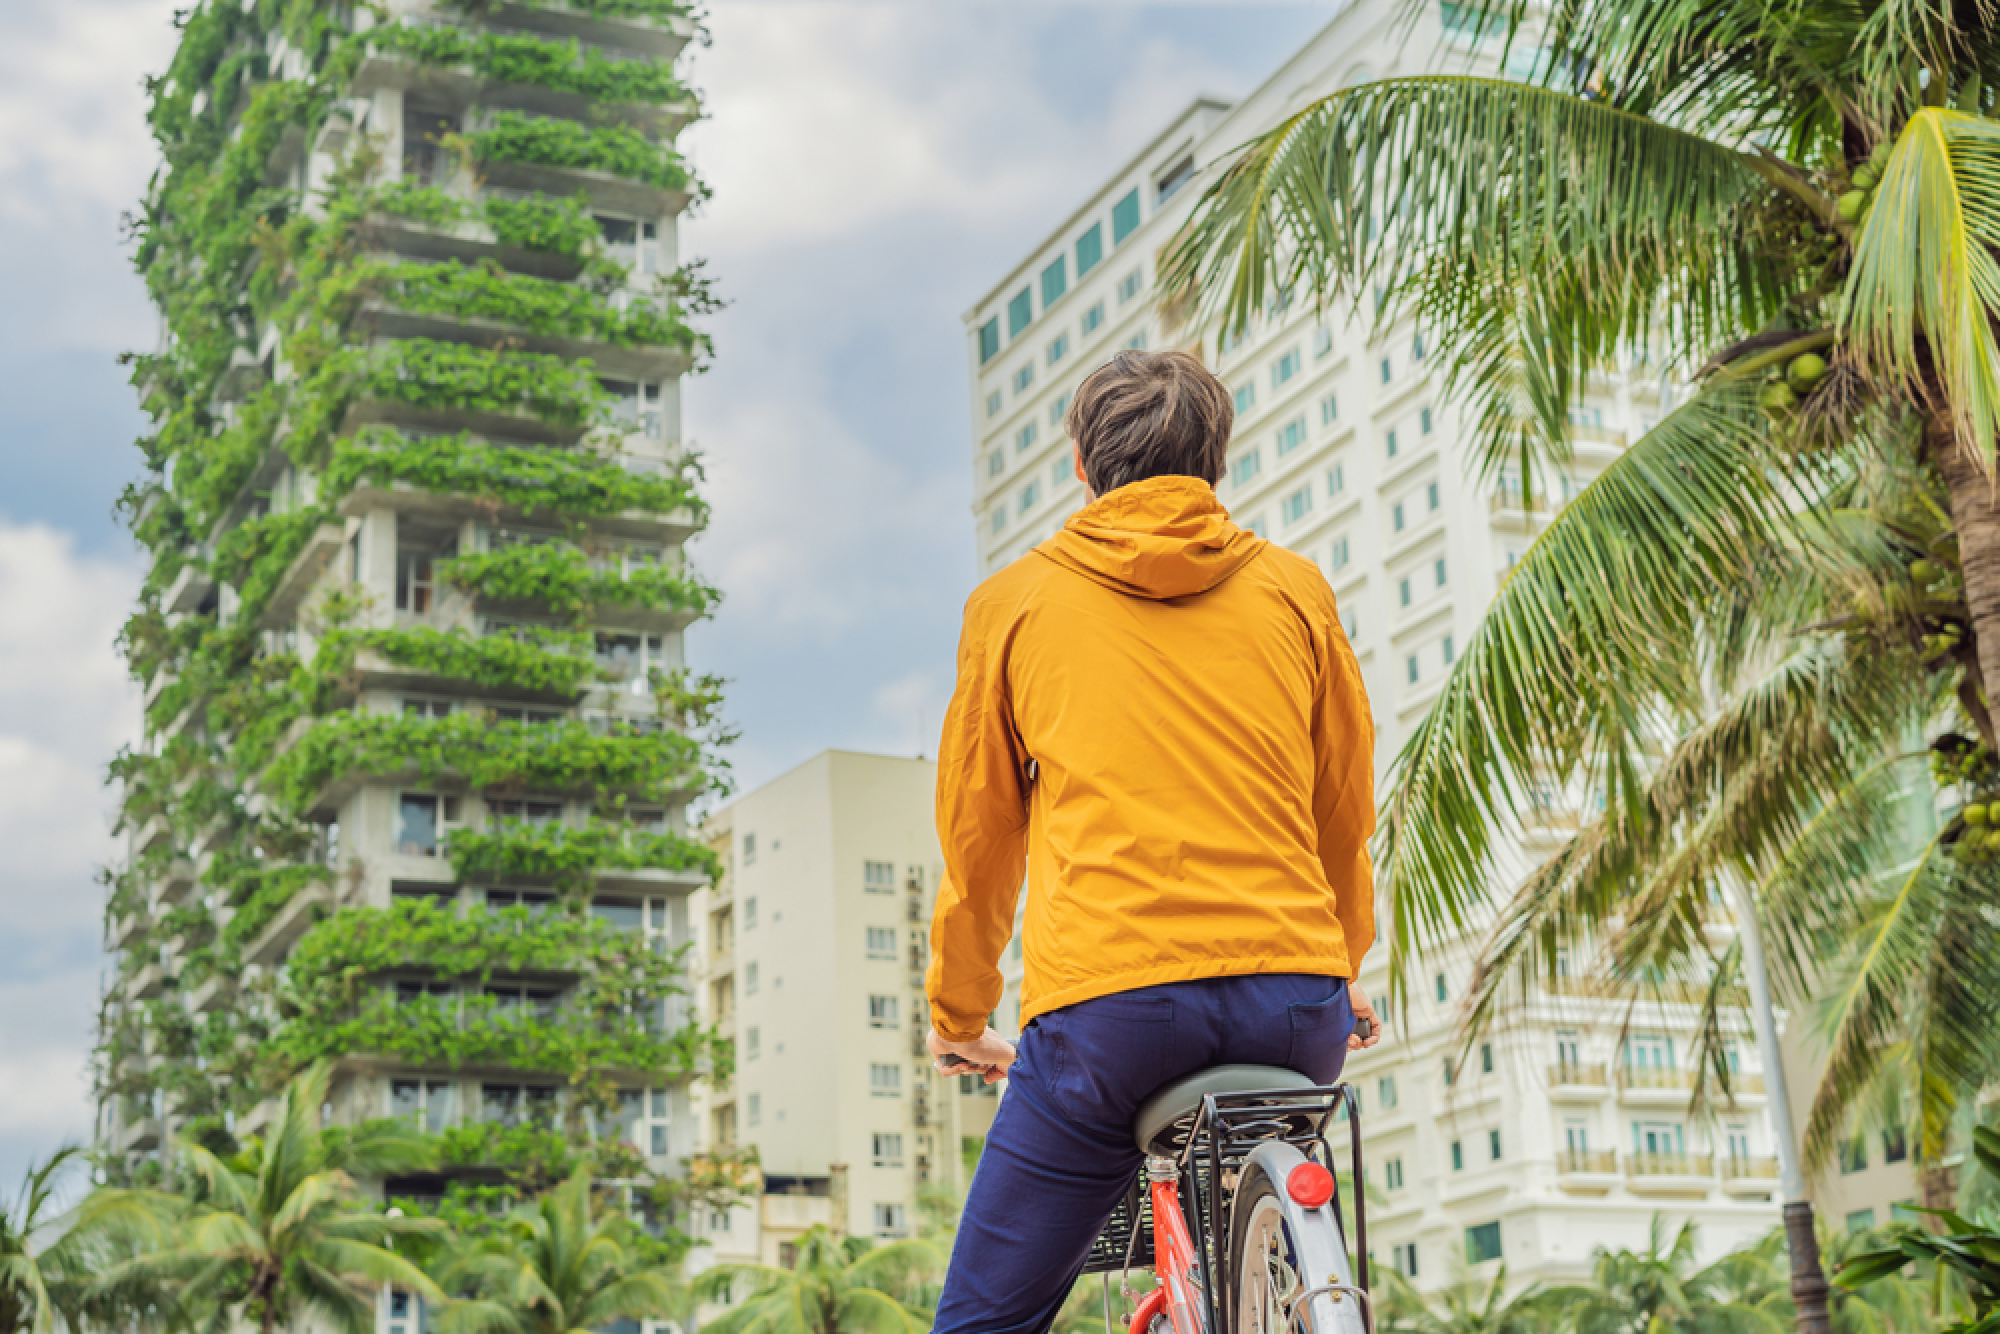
1322, 1258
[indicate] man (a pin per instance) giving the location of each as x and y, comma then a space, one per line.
1159, 717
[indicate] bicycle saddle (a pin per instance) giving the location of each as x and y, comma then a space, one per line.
1154, 1128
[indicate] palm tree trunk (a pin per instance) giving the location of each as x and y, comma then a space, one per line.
1976, 516
1809, 1289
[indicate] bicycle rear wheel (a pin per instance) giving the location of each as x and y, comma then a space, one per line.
1289, 1263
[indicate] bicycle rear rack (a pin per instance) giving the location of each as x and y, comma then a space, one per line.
1211, 1145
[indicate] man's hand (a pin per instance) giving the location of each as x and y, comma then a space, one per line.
989, 1055
1363, 1009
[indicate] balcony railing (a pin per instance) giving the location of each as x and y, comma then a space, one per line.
1737, 1167
1655, 1077
1578, 1076
1601, 1162
1669, 1165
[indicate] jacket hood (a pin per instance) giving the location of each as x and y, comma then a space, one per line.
1165, 537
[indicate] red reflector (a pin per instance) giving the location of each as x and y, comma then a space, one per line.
1310, 1184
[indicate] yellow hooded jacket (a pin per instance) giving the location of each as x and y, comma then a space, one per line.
1159, 715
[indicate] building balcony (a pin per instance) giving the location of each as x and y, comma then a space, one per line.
293, 920
1509, 505
504, 427
241, 377
721, 962
373, 671
149, 983
1679, 1174
1751, 1177
151, 835
384, 70
122, 931
795, 1213
178, 882
618, 361
468, 242
613, 194
140, 1135
190, 588
1587, 1171
661, 39
1572, 1083
1651, 1086
668, 529
212, 995
302, 574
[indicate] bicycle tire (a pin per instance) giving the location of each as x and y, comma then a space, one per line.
1280, 1252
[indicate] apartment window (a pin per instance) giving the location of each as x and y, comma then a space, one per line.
1058, 349
416, 586
996, 463
1175, 177
1256, 526
1739, 1142
1055, 281
999, 519
1292, 436
754, 1108
1854, 1155
881, 942
1337, 554
1390, 444
993, 404
1245, 468
1404, 1258
1020, 311
1336, 480
752, 1044
881, 1012
1030, 494
1024, 377
429, 1103
749, 849
750, 978
1450, 654
1403, 592
1482, 1243
1860, 1220
1329, 410
1232, 337
885, 1079
1493, 1144
1137, 342
1129, 285
1024, 438
1322, 341
1417, 346
1385, 1091
1424, 421
1056, 411
989, 340
1286, 367
1392, 1174
750, 913
1442, 989
1351, 625
1431, 496
1396, 516
1089, 249
1298, 504
1061, 471
1246, 398
891, 1220
1092, 318
888, 1150
1895, 1145
1125, 217
1411, 670
1386, 374
878, 877
1458, 1155
1569, 1047
1437, 572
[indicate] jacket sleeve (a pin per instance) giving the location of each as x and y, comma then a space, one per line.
982, 819
1344, 787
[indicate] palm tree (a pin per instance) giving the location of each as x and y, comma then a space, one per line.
1468, 1305
277, 1231
557, 1267
835, 1286
49, 1258
1735, 632
1660, 1291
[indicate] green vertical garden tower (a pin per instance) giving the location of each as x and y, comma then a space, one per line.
419, 737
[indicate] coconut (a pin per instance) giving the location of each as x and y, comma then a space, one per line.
1849, 205
1806, 371
1864, 177
1924, 572
1975, 814
1777, 396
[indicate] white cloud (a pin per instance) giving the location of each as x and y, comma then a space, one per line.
65, 707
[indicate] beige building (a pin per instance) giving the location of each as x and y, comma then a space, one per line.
1573, 1128
815, 941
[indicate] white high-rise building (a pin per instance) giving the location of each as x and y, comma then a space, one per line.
1573, 1126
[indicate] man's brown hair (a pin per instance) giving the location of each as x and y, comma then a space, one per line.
1150, 414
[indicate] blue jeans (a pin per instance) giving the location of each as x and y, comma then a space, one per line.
1061, 1154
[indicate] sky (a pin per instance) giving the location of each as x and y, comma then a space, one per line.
877, 167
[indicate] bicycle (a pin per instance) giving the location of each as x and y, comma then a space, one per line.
1239, 1152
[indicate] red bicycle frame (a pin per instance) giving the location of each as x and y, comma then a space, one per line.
1174, 1261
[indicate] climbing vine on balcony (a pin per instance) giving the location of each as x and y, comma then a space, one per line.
514, 136
569, 852
533, 480
555, 661
568, 582
509, 57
